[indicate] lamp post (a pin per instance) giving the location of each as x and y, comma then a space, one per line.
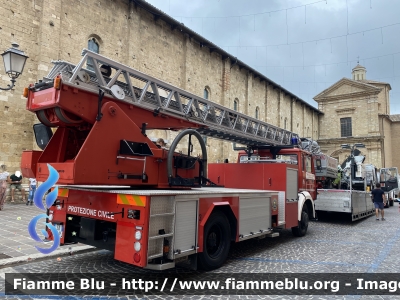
351, 147
14, 62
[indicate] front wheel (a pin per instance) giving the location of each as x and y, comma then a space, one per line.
301, 229
216, 242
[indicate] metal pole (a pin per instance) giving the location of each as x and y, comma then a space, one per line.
351, 168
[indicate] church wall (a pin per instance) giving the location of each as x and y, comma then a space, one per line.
297, 117
396, 144
387, 133
384, 106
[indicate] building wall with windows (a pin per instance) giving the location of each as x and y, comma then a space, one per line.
358, 111
140, 36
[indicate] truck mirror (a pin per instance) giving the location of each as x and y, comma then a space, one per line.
318, 164
43, 135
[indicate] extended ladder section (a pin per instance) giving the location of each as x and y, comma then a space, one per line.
128, 85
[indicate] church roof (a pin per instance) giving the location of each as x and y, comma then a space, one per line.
394, 118
358, 67
373, 81
327, 93
371, 85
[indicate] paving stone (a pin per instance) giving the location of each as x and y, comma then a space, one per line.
14, 237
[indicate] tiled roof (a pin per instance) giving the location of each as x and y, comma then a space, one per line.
372, 81
358, 67
395, 118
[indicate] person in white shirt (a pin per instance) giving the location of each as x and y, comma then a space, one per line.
3, 185
32, 190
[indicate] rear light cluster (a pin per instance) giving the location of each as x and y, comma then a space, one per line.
51, 215
137, 245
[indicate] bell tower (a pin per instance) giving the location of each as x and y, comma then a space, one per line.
359, 73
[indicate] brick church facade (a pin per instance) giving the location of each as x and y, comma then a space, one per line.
357, 110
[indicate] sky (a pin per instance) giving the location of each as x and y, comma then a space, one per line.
303, 45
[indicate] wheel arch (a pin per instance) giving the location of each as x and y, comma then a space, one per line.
226, 209
305, 199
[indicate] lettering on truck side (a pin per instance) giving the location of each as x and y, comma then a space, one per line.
310, 176
90, 212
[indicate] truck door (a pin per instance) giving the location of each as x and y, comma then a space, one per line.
308, 175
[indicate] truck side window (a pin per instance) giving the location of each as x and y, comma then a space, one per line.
307, 163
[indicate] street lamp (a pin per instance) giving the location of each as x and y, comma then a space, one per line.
347, 146
14, 62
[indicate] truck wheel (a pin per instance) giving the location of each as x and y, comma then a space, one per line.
301, 230
216, 243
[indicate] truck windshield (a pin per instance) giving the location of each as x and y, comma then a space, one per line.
245, 158
389, 174
285, 158
288, 158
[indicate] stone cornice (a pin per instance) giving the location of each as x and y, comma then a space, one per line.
347, 96
349, 110
351, 140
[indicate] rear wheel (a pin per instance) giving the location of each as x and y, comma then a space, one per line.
216, 242
301, 230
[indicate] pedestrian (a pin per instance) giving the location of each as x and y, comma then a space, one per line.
32, 190
3, 185
160, 142
15, 183
379, 199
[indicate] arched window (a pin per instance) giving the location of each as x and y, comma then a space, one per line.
94, 46
206, 93
236, 105
257, 112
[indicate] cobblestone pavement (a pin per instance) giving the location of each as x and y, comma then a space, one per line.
331, 246
16, 245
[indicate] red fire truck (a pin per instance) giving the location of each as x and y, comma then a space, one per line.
154, 207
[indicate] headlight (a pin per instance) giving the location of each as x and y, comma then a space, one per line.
138, 235
137, 246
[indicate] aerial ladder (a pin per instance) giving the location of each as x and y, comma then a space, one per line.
77, 99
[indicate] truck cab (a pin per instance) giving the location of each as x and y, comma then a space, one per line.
389, 183
294, 157
288, 170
